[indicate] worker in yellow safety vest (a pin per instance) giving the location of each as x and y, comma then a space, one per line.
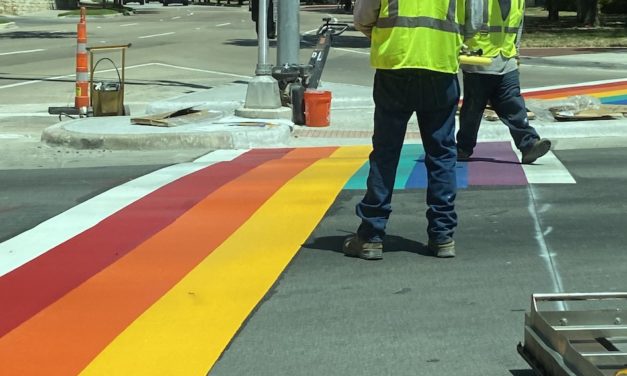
498, 83
414, 48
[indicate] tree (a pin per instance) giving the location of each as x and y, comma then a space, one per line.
588, 12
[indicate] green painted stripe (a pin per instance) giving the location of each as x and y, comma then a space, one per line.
409, 154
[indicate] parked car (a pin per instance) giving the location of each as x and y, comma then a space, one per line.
167, 2
141, 2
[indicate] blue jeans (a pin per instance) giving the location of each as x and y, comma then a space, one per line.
398, 94
503, 92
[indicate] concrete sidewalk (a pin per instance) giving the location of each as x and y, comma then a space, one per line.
351, 115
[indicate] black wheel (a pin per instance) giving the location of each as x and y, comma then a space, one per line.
186, 3
165, 3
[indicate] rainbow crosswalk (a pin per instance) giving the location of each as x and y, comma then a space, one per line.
608, 92
155, 277
493, 163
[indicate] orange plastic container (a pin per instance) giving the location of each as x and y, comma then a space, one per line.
317, 108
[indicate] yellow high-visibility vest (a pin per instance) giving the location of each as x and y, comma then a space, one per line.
423, 34
498, 35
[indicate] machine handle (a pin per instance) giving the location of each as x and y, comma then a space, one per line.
552, 297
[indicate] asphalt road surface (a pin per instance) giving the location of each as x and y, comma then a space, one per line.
330, 315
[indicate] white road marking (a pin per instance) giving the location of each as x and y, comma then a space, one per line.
130, 24
176, 18
21, 52
223, 24
353, 51
65, 76
546, 170
202, 70
32, 243
544, 251
22, 114
590, 83
156, 35
8, 86
11, 136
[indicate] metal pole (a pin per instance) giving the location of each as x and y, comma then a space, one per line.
288, 43
263, 68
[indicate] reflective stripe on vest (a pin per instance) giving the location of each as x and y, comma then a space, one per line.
498, 36
394, 20
410, 35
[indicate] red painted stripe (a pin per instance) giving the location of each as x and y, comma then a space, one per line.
64, 337
30, 288
575, 90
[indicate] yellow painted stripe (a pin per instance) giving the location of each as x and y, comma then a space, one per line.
185, 331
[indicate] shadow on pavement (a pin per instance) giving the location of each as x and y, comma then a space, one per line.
308, 41
491, 160
392, 243
342, 41
37, 35
522, 372
166, 83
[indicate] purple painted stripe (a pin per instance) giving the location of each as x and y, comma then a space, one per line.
495, 163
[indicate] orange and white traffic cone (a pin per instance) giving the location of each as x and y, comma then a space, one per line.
81, 100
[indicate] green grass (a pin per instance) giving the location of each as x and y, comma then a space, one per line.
4, 20
567, 32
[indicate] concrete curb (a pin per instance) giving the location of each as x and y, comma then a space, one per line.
117, 133
569, 62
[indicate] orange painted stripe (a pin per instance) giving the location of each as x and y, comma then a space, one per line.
568, 91
63, 338
592, 92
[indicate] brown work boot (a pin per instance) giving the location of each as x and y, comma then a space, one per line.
442, 250
355, 246
538, 149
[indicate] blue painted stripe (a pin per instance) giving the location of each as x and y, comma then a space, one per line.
418, 176
616, 99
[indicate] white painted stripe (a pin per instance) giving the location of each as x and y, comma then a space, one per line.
130, 24
11, 136
65, 76
223, 24
23, 114
176, 18
202, 70
21, 52
353, 51
543, 250
156, 35
589, 83
546, 170
32, 243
